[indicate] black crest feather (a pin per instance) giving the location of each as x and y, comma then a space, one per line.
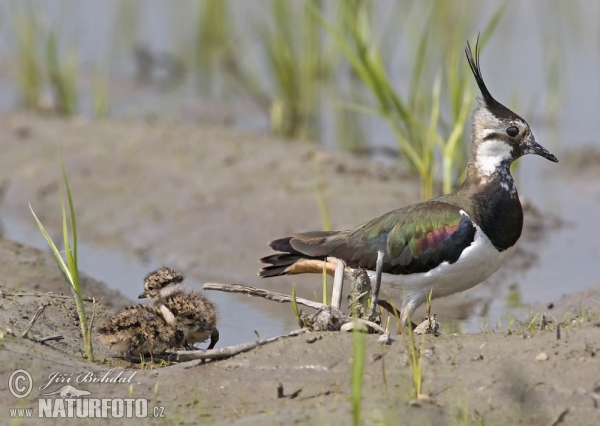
492, 104
474, 64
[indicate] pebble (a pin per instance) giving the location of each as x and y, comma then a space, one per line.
542, 356
384, 339
350, 326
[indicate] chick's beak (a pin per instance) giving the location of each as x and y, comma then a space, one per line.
143, 295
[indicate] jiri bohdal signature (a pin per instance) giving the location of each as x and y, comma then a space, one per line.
90, 377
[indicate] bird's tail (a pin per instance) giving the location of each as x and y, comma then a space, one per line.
279, 264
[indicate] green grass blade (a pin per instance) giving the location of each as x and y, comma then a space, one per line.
59, 259
419, 63
294, 304
68, 254
357, 108
73, 225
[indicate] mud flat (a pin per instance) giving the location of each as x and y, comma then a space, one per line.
206, 201
495, 377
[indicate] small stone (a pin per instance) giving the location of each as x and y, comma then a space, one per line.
542, 356
384, 339
478, 358
430, 325
426, 398
350, 326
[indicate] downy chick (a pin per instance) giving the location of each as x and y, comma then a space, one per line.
164, 288
141, 330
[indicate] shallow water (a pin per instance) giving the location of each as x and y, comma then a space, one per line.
119, 270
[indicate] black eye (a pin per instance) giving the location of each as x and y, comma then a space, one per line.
512, 131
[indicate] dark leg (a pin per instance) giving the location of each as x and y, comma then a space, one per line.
393, 311
214, 338
131, 358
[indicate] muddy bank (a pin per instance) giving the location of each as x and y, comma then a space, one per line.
206, 200
494, 377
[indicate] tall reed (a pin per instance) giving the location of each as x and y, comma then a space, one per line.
415, 120
214, 44
62, 75
26, 28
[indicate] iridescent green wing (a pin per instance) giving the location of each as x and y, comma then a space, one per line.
414, 239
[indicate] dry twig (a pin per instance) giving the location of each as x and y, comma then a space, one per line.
33, 320
259, 292
46, 339
229, 351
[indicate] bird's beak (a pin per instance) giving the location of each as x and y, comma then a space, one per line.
535, 148
143, 295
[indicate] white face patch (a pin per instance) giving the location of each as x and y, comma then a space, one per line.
490, 154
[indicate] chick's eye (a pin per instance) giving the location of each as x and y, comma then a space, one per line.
512, 131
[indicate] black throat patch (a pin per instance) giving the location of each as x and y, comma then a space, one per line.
498, 211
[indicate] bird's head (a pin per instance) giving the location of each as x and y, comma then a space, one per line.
500, 136
161, 284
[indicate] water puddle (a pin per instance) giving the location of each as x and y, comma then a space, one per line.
239, 315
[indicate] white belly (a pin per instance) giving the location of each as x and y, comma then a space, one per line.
476, 263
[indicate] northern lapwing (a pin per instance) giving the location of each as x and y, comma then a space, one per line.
445, 245
164, 288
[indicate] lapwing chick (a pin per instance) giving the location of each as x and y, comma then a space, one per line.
163, 287
141, 330
445, 245
198, 316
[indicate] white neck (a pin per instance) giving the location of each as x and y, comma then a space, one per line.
490, 155
170, 290
167, 314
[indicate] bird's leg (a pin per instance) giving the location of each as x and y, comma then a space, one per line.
393, 311
214, 338
129, 357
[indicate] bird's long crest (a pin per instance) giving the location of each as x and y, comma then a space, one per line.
474, 64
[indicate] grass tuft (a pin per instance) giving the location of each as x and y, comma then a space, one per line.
29, 68
63, 78
415, 120
415, 355
70, 268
